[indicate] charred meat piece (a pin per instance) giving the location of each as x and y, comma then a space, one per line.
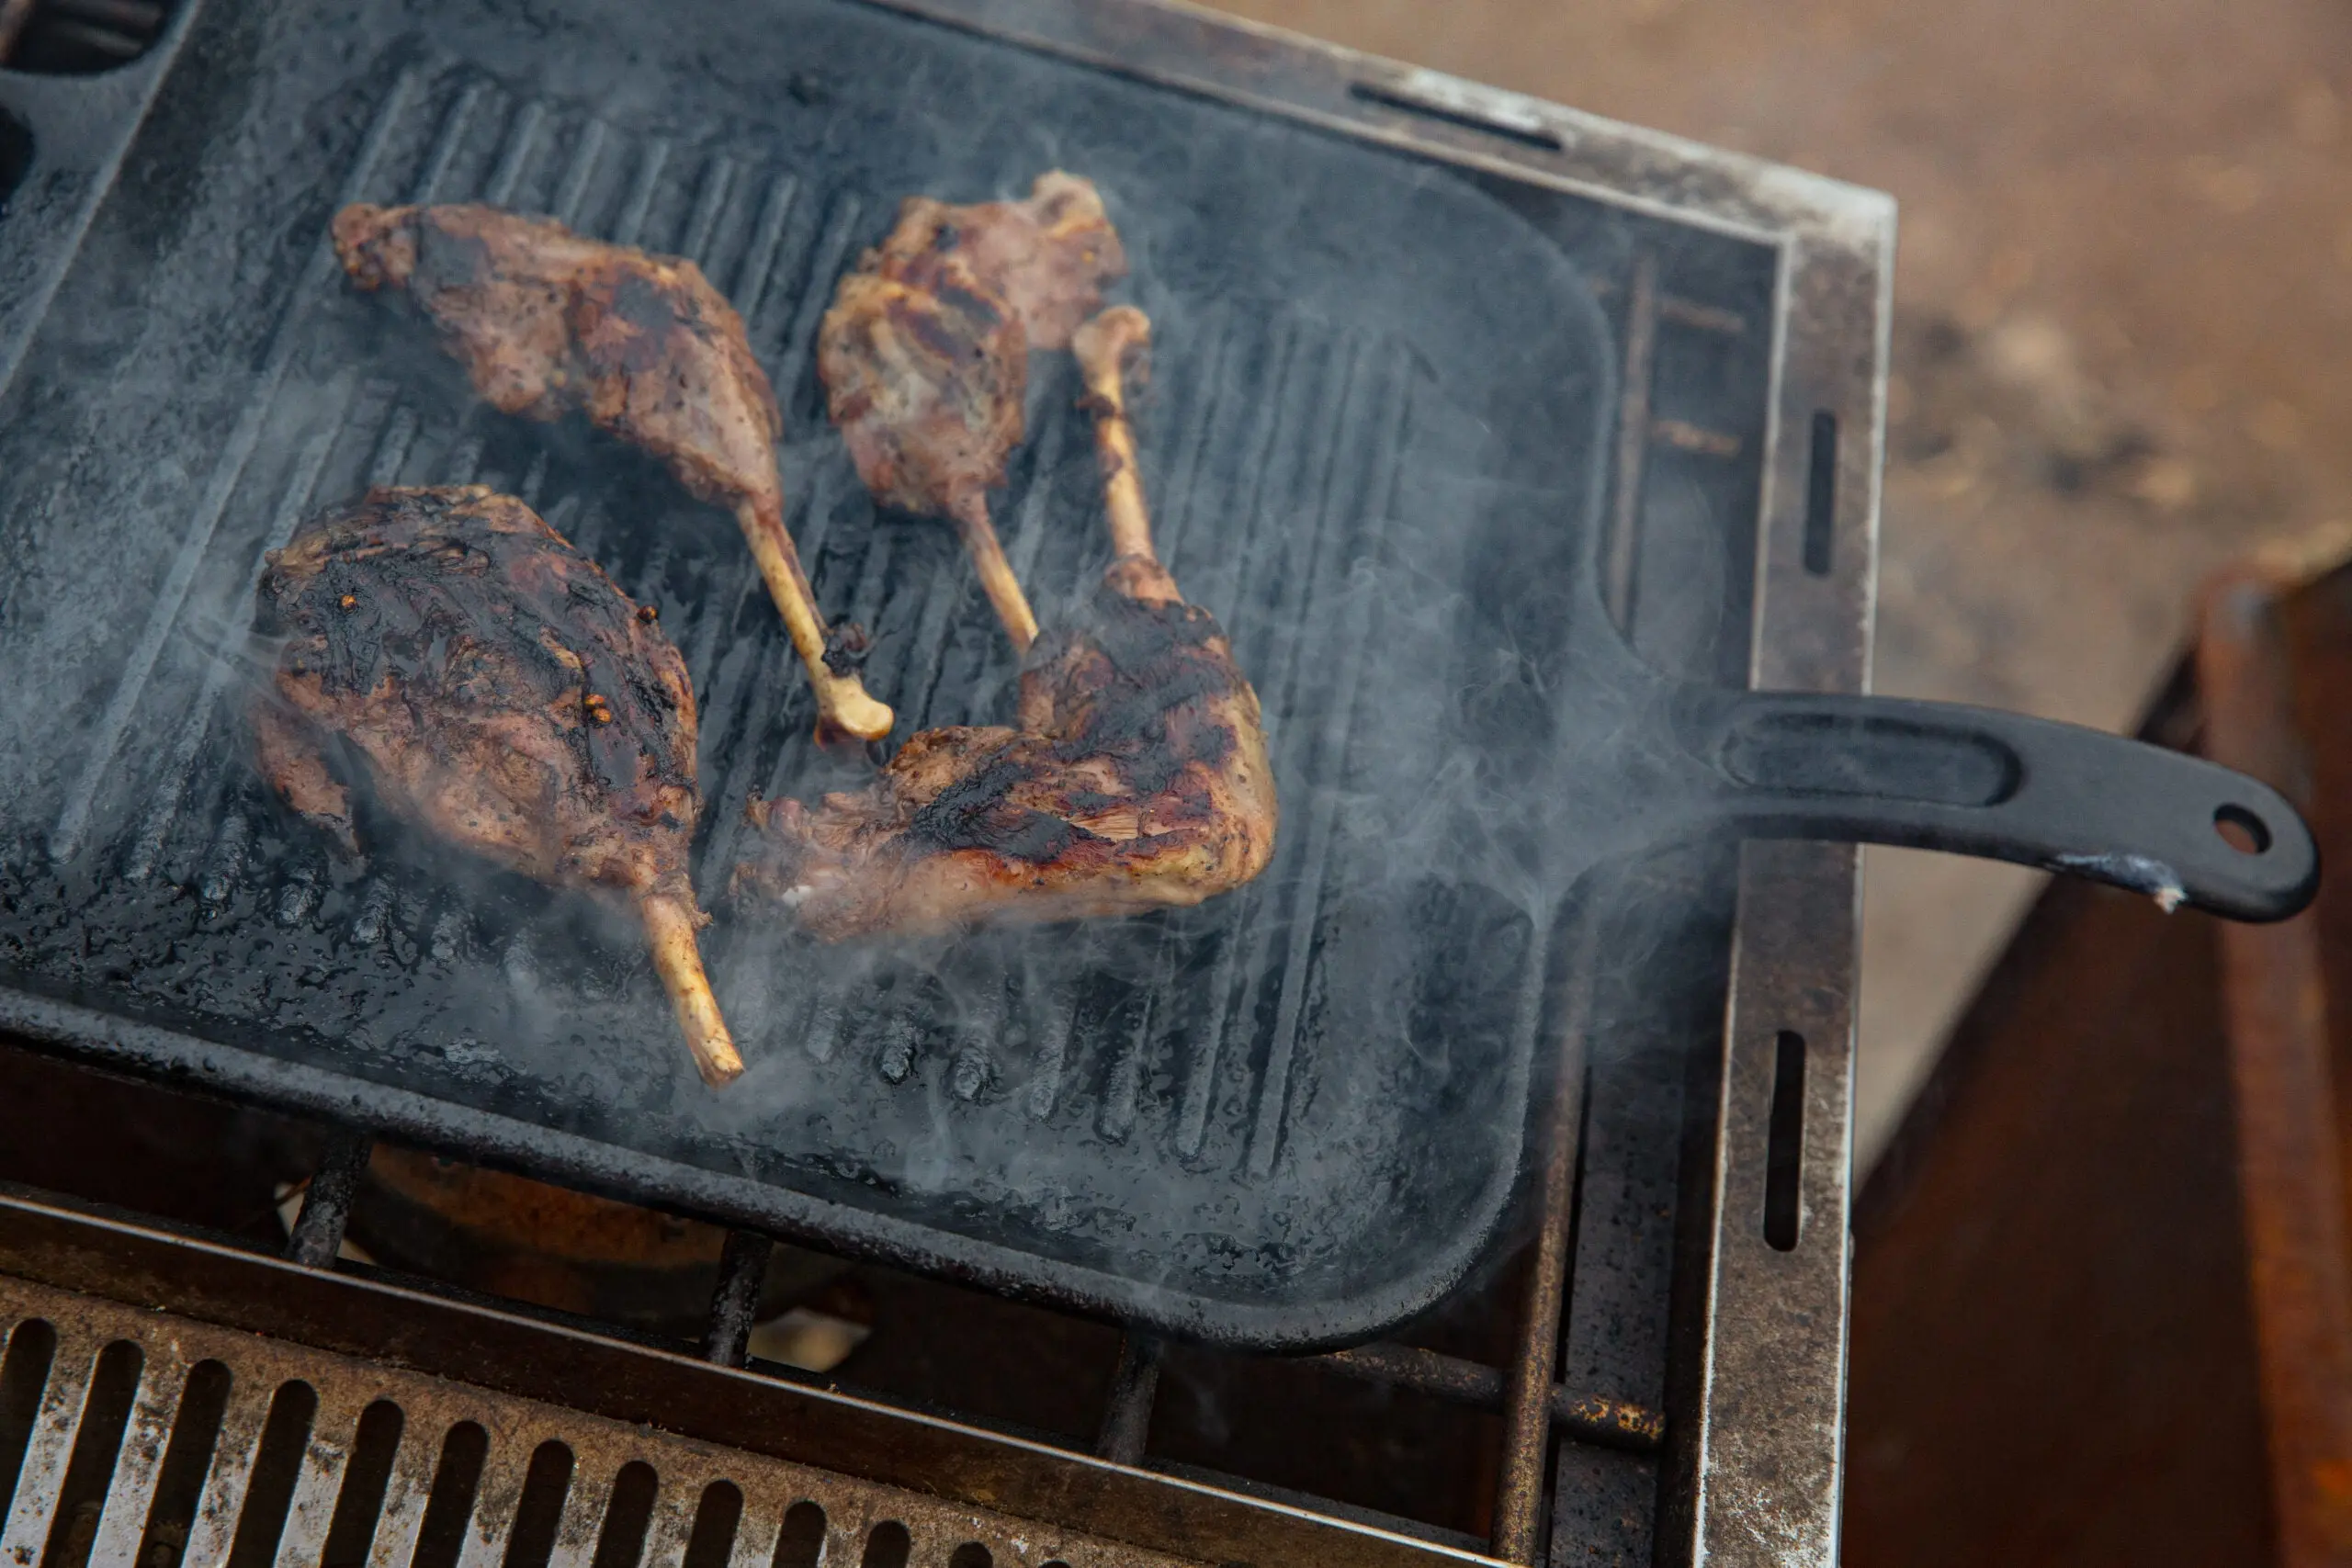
489, 683
546, 323
925, 352
1136, 779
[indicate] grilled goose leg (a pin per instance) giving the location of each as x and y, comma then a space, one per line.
494, 687
1111, 349
546, 323
925, 373
1136, 779
924, 353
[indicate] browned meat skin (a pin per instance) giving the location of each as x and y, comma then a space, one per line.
546, 323
1137, 777
495, 688
1048, 258
924, 372
924, 352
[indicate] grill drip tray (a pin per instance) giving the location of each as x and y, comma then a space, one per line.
1244, 1123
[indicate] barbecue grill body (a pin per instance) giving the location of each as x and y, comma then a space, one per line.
1748, 304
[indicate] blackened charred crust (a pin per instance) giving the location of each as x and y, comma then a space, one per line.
925, 375
448, 259
437, 591
847, 647
969, 302
925, 352
1136, 668
1123, 683
631, 334
974, 813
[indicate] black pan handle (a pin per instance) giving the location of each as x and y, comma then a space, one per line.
1979, 782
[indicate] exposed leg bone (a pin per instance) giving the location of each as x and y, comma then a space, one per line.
924, 352
1012, 606
1111, 348
677, 958
843, 705
547, 322
518, 706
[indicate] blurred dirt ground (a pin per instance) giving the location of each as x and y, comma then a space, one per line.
2123, 348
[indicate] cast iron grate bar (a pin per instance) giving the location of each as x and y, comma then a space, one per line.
173, 1440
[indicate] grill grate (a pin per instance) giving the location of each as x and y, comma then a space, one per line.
150, 1438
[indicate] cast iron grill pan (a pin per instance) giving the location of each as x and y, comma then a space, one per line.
1374, 446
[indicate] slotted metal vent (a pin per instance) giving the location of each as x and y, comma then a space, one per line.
130, 1437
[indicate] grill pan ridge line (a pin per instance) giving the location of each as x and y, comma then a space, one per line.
1684, 761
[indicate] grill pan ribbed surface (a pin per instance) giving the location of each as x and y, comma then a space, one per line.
1374, 444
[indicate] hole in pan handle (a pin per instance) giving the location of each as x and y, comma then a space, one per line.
1979, 782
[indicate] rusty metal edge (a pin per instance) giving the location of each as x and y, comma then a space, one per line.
2290, 1169
45, 1242
1765, 1456
424, 1412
